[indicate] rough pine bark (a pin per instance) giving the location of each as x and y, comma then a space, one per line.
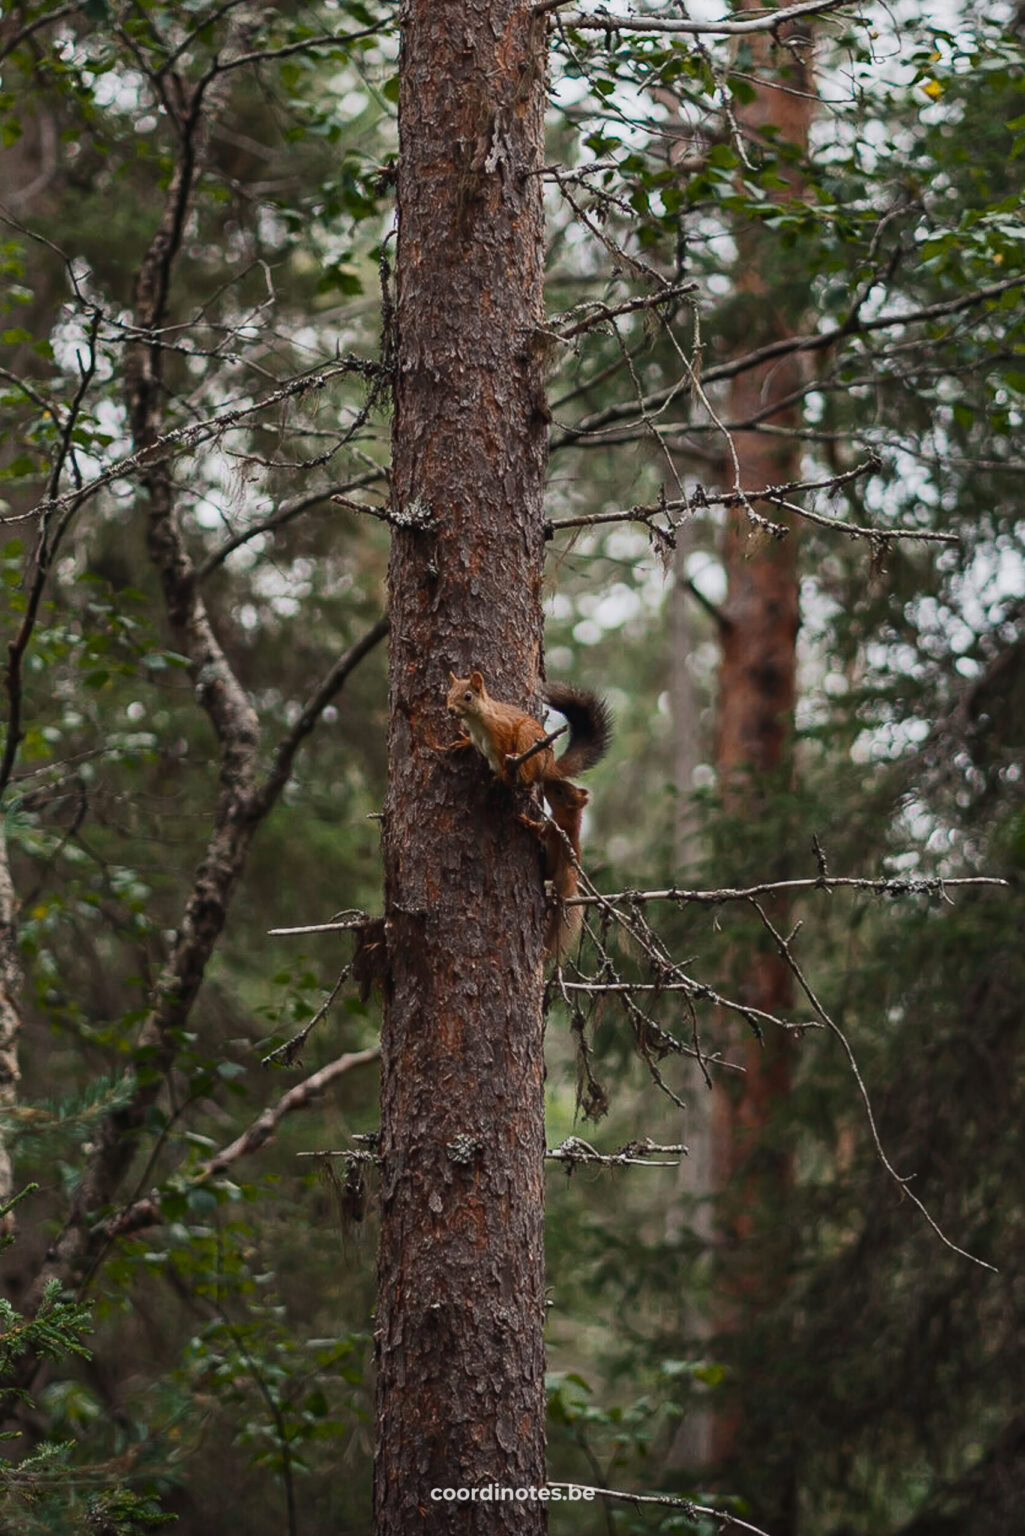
460, 1293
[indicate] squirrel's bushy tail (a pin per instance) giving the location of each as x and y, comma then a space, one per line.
590, 727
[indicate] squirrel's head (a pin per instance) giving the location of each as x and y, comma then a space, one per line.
562, 795
467, 694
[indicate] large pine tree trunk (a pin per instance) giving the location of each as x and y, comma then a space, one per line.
460, 1304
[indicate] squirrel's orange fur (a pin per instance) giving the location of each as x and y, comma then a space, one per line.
501, 731
566, 802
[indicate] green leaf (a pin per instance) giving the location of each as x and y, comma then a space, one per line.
741, 90
202, 1202
20, 466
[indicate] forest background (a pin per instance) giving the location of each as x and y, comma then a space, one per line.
785, 262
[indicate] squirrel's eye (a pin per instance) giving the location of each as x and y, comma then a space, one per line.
467, 696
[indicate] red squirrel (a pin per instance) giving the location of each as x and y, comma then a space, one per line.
566, 802
500, 731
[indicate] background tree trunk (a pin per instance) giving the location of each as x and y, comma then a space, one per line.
460, 1349
757, 692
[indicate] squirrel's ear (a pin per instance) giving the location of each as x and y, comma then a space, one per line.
453, 679
476, 682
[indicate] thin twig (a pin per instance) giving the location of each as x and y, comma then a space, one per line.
722, 1517
597, 311
47, 545
288, 1054
695, 989
311, 712
282, 515
817, 341
514, 761
902, 1181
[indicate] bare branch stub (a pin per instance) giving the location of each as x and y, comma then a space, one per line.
418, 515
576, 1153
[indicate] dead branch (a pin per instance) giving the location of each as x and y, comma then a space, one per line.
720, 1517
288, 1054
568, 325
342, 924
576, 1153
604, 20
147, 1212
892, 885
777, 495
311, 712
